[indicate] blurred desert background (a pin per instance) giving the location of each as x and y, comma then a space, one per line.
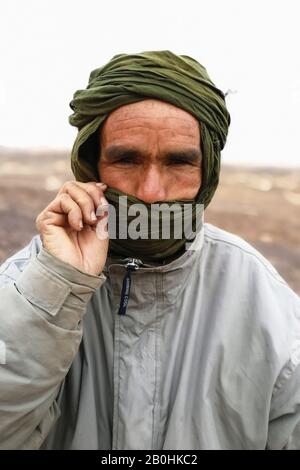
262, 205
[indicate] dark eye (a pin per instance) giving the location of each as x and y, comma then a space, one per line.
125, 161
178, 162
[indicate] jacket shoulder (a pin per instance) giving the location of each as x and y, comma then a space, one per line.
15, 264
237, 248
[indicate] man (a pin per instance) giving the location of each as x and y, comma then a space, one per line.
142, 343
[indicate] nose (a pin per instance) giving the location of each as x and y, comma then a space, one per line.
151, 187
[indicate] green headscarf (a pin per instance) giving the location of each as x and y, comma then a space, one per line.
163, 234
129, 78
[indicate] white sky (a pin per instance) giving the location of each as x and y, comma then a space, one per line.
49, 47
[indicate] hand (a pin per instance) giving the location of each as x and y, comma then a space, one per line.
67, 226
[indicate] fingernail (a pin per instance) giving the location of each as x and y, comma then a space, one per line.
80, 224
101, 184
101, 210
103, 201
93, 216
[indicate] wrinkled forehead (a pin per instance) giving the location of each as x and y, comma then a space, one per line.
150, 114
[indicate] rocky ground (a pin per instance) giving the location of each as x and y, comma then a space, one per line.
260, 205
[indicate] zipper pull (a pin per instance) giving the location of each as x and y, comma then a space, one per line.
132, 265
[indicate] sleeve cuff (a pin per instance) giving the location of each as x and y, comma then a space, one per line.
53, 285
67, 271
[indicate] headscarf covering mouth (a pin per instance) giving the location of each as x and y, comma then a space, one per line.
163, 75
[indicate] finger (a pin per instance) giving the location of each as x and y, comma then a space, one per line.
92, 187
95, 190
64, 204
83, 200
53, 218
48, 217
101, 228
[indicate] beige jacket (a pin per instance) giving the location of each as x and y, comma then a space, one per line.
206, 357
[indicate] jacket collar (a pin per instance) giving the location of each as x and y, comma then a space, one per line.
183, 260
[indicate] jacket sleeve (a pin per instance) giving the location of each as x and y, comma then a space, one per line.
284, 426
284, 417
41, 308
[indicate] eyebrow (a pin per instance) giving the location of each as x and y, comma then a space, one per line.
186, 155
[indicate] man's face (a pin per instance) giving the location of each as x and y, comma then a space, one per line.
151, 150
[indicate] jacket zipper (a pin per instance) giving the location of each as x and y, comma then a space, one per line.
132, 265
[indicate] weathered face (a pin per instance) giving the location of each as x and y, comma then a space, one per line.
151, 150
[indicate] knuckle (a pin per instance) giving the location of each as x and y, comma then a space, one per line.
84, 201
76, 211
64, 196
37, 223
37, 219
40, 224
89, 187
40, 217
66, 185
69, 183
93, 184
93, 191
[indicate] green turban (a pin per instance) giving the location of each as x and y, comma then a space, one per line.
128, 78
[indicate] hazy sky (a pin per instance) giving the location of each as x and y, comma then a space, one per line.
48, 48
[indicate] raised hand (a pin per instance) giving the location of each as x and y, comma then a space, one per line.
67, 226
